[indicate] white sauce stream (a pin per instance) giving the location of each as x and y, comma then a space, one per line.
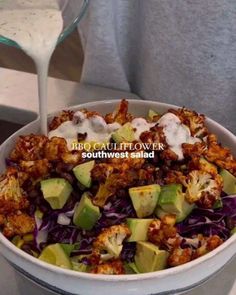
35, 26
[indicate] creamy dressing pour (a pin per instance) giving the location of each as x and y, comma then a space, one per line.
95, 127
35, 26
98, 130
176, 133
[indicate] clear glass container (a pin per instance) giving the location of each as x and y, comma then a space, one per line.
72, 12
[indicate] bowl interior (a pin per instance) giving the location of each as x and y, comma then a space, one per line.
138, 108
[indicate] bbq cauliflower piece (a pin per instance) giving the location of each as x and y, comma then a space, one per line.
35, 170
207, 244
110, 241
195, 121
203, 188
219, 155
18, 224
161, 231
120, 115
113, 268
29, 148
180, 256
61, 118
56, 150
12, 197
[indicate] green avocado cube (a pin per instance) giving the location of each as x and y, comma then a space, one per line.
124, 134
151, 114
56, 191
83, 173
149, 257
144, 199
55, 254
229, 182
172, 201
86, 213
138, 228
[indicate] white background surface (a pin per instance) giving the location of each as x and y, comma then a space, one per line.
18, 94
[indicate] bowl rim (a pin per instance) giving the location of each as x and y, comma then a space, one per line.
117, 278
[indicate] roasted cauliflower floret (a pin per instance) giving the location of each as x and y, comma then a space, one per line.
61, 118
202, 188
195, 121
18, 224
113, 268
120, 115
35, 170
199, 163
12, 197
174, 176
207, 244
56, 150
219, 155
109, 242
29, 148
180, 256
160, 231
196, 149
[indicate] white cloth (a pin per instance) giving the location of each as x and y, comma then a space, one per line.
181, 52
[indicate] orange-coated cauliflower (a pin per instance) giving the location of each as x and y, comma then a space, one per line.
109, 242
35, 170
112, 268
207, 244
29, 148
196, 149
56, 150
180, 256
61, 118
18, 224
174, 176
195, 121
202, 188
219, 155
120, 115
160, 231
12, 197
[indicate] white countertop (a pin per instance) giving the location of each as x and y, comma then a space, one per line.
18, 103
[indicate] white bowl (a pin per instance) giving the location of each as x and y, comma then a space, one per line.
169, 281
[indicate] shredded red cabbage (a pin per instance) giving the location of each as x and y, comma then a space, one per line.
211, 222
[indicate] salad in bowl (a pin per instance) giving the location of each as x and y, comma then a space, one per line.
119, 194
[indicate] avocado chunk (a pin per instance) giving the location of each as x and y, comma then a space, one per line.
172, 201
78, 265
130, 268
55, 254
151, 114
83, 173
86, 213
139, 228
229, 182
56, 191
149, 257
144, 199
124, 134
